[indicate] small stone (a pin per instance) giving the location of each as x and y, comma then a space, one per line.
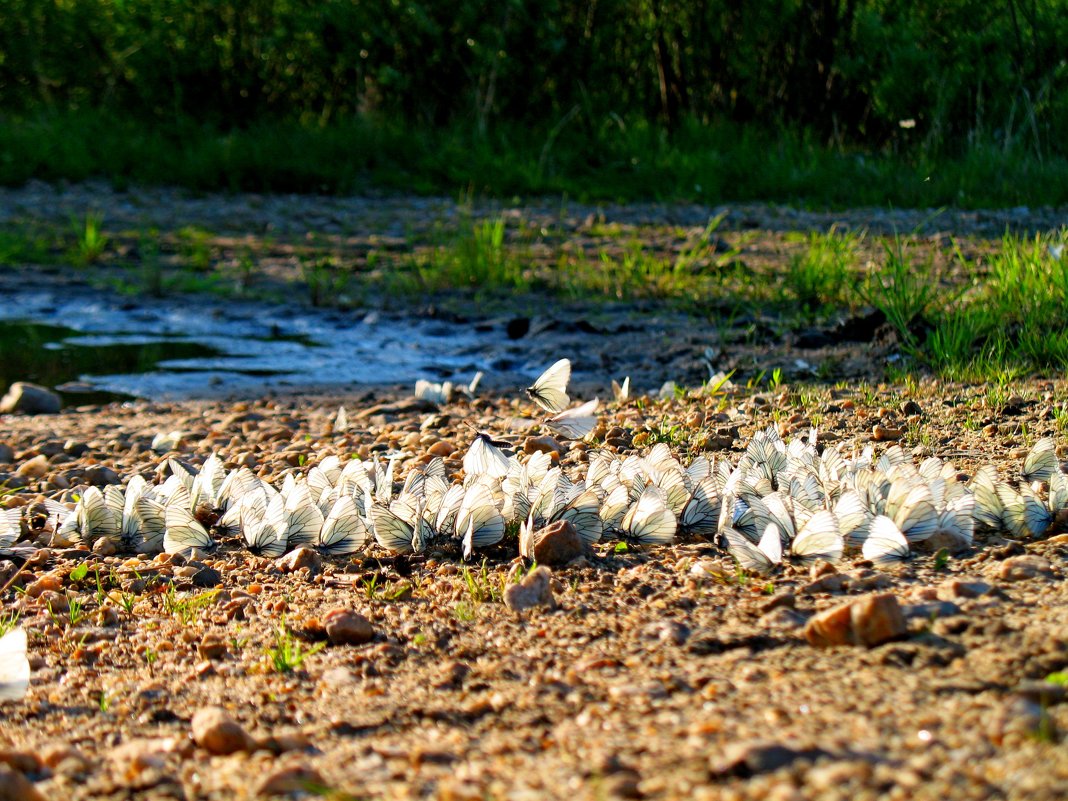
869, 621
1021, 719
931, 610
910, 407
835, 582
54, 753
37, 467
543, 444
16, 787
1026, 566
534, 590
877, 619
100, 475
750, 759
25, 398
104, 547
345, 627
557, 544
7, 453
292, 779
213, 646
442, 448
956, 589
22, 761
885, 434
215, 731
301, 557
784, 599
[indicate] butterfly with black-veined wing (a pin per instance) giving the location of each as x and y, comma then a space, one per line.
621, 392
818, 538
761, 557
649, 521
263, 526
14, 667
1041, 461
479, 520
485, 457
10, 527
885, 543
184, 533
397, 534
343, 531
575, 423
550, 390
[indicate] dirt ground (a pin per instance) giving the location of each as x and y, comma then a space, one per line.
660, 672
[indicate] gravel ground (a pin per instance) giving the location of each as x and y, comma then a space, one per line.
659, 673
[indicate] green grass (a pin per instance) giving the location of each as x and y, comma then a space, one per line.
287, 654
702, 162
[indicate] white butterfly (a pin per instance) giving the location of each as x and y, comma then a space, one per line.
343, 531
10, 527
550, 390
1041, 461
397, 534
479, 519
575, 423
818, 539
762, 557
14, 667
885, 543
649, 521
263, 525
485, 457
341, 420
621, 392
700, 515
184, 533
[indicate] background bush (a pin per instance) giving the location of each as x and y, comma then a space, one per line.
850, 71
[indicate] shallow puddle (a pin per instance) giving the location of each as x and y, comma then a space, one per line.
96, 348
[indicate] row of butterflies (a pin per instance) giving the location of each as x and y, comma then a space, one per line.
780, 501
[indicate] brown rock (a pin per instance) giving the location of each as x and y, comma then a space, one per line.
345, 627
1026, 566
16, 787
22, 761
884, 434
37, 467
871, 620
442, 448
543, 444
215, 731
534, 590
557, 544
955, 589
301, 557
877, 619
213, 646
26, 398
292, 779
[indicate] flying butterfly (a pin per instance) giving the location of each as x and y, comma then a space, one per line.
550, 390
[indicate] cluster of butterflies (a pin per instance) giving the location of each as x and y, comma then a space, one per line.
780, 502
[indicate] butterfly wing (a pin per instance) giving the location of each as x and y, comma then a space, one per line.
550, 390
183, 533
14, 667
1041, 461
575, 423
885, 544
485, 458
819, 539
343, 531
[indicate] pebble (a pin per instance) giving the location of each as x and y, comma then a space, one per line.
870, 621
1021, 719
534, 590
99, 475
37, 467
213, 646
1025, 566
7, 453
442, 448
215, 731
300, 558
345, 627
557, 544
25, 398
885, 434
290, 780
956, 589
16, 787
543, 444
748, 759
931, 610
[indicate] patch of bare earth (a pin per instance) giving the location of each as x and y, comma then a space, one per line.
659, 673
